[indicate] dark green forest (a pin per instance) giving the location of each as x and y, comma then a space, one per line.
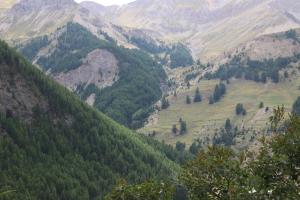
129, 101
69, 150
258, 71
180, 56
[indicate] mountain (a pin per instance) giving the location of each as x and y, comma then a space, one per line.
210, 27
53, 146
123, 83
45, 17
123, 59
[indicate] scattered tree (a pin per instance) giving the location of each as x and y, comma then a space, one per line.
183, 127
188, 84
219, 91
174, 129
165, 103
188, 99
228, 125
211, 100
261, 105
198, 97
240, 110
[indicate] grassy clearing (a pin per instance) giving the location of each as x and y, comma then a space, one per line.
204, 119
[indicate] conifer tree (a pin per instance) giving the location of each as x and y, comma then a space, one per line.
183, 127
198, 97
164, 103
174, 129
188, 99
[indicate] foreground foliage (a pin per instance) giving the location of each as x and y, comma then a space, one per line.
147, 191
272, 173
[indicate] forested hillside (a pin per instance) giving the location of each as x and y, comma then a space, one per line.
53, 146
129, 100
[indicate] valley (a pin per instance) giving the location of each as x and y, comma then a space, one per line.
153, 100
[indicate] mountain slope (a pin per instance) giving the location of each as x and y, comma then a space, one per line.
28, 19
123, 83
53, 146
4, 5
265, 70
210, 27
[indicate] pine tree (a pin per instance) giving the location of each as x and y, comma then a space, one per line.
261, 105
211, 100
180, 120
183, 127
165, 103
188, 99
239, 108
220, 90
188, 85
174, 129
198, 97
228, 125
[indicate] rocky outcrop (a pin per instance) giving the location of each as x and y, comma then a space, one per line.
270, 47
17, 97
100, 68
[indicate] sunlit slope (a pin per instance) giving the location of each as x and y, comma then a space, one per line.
210, 27
204, 119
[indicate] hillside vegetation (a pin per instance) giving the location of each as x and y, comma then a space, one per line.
53, 146
129, 100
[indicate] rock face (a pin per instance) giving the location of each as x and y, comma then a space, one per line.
100, 68
270, 47
17, 98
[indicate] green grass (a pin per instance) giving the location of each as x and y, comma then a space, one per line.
203, 119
